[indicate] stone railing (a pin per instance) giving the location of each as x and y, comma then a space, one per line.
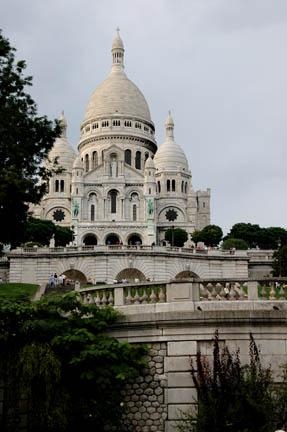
197, 290
125, 248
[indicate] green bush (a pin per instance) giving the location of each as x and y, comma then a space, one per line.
233, 397
234, 243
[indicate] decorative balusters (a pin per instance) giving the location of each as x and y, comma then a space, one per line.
97, 298
136, 297
162, 295
222, 292
209, 290
145, 294
272, 295
144, 297
128, 297
152, 296
203, 292
263, 293
111, 298
282, 292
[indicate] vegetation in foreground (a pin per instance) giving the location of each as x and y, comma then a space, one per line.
57, 360
233, 397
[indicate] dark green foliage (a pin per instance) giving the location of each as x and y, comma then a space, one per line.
63, 235
279, 264
58, 354
231, 243
210, 235
233, 397
25, 140
176, 236
254, 235
40, 232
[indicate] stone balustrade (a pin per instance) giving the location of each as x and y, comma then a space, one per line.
196, 290
133, 248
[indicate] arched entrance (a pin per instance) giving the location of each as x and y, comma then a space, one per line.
112, 239
186, 274
73, 275
130, 275
90, 240
134, 239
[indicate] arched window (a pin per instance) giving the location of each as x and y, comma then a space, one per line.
173, 185
57, 186
185, 188
158, 186
168, 185
113, 196
182, 185
134, 212
138, 160
128, 157
62, 185
95, 159
87, 162
92, 212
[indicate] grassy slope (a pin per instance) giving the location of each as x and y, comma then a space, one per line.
16, 291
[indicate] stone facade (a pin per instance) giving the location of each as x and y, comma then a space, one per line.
119, 187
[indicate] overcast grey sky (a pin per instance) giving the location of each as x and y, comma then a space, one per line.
220, 66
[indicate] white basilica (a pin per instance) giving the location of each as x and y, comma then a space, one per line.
120, 188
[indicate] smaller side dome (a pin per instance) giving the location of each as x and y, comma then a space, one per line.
78, 163
149, 163
170, 156
62, 151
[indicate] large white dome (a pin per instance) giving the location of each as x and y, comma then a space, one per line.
170, 156
117, 95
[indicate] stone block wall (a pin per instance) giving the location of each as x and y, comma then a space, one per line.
144, 400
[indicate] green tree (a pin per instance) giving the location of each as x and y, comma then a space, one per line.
272, 238
25, 140
176, 236
63, 235
210, 235
247, 232
57, 352
40, 232
231, 243
231, 396
279, 264
264, 238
